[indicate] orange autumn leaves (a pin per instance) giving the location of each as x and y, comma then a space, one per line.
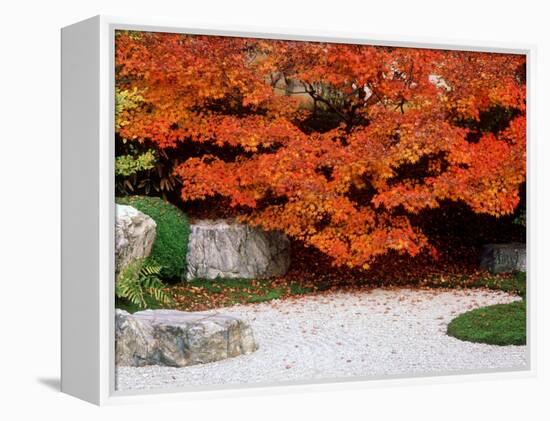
337, 145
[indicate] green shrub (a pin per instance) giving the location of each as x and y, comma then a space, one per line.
127, 165
170, 246
521, 218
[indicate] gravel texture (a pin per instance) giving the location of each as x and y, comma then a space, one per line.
340, 335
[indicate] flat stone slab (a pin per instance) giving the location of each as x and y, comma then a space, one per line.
497, 258
177, 339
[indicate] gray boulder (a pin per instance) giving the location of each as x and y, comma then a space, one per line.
176, 338
135, 234
497, 258
227, 249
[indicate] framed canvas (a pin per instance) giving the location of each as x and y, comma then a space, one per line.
244, 210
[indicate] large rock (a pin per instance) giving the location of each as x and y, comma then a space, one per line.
227, 249
176, 338
135, 234
498, 258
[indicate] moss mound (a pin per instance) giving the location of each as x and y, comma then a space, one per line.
500, 324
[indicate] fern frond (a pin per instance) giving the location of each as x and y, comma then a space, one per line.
140, 281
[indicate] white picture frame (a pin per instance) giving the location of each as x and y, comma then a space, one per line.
87, 324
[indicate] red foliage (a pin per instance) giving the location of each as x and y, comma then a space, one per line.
337, 145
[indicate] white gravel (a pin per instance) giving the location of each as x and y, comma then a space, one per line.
342, 335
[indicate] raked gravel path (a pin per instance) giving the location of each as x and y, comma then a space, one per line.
341, 335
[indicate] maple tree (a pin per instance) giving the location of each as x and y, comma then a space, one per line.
335, 144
